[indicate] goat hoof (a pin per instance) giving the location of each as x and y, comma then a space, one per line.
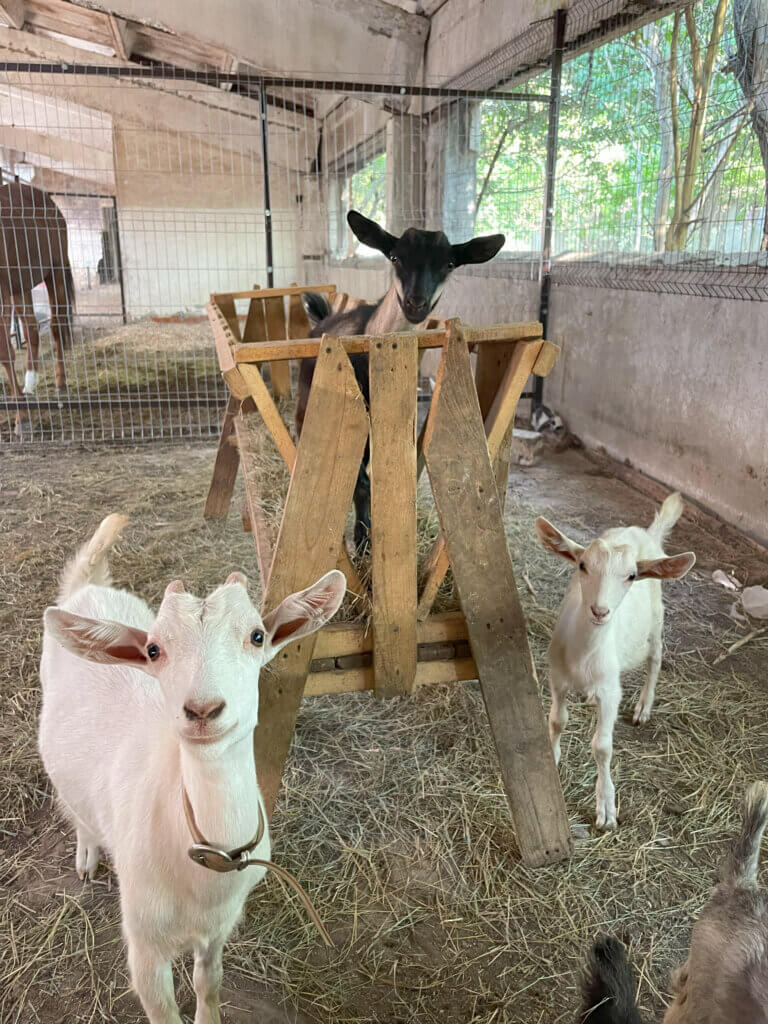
642, 714
86, 860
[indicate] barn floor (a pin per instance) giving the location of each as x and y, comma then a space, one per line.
392, 815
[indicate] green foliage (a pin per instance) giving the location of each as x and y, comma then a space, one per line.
610, 146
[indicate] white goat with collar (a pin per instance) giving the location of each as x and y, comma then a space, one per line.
138, 708
610, 622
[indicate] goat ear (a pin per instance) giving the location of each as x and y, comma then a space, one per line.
673, 567
99, 640
478, 250
304, 612
237, 577
551, 539
370, 234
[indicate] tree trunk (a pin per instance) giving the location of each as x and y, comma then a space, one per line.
658, 64
750, 25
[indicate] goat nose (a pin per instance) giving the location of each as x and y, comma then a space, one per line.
415, 305
598, 612
203, 711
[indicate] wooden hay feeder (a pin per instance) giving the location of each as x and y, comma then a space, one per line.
465, 445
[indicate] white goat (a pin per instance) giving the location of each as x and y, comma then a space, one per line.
610, 622
142, 712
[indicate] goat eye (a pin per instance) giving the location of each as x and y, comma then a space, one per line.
257, 638
394, 260
153, 652
582, 567
450, 265
632, 576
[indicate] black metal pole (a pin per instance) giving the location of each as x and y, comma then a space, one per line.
119, 260
549, 183
265, 179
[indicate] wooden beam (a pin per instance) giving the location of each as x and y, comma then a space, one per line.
311, 533
13, 13
225, 467
277, 330
123, 36
464, 488
356, 680
393, 367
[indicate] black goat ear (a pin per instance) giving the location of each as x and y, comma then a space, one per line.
477, 250
370, 234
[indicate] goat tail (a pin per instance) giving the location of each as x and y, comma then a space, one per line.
741, 865
90, 564
316, 307
608, 985
666, 517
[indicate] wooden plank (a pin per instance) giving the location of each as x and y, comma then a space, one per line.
356, 680
492, 363
273, 421
267, 293
298, 325
262, 532
224, 468
393, 369
301, 348
277, 331
227, 309
332, 443
223, 341
498, 426
343, 638
255, 329
467, 501
546, 359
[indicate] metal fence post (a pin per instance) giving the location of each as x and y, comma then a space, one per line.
549, 185
265, 180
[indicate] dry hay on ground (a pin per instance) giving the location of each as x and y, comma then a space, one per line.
392, 815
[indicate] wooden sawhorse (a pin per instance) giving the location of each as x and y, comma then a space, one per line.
465, 445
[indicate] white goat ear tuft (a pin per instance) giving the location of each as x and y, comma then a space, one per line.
237, 577
551, 539
99, 640
175, 587
672, 567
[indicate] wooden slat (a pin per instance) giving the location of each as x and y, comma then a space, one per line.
546, 359
393, 367
227, 309
269, 413
498, 426
298, 325
255, 329
492, 363
332, 443
343, 638
352, 680
225, 467
301, 348
277, 330
467, 501
223, 342
263, 534
267, 293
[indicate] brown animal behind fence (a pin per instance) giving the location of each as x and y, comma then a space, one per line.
33, 250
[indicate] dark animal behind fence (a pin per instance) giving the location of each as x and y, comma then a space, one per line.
422, 262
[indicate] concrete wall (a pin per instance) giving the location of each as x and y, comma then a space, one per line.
675, 384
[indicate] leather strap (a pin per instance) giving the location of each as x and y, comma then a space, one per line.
223, 861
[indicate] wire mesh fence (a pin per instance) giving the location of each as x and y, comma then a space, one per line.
166, 196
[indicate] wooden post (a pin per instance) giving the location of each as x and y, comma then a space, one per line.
277, 331
332, 442
393, 363
464, 487
225, 468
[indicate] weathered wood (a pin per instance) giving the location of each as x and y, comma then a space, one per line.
266, 293
465, 492
298, 324
393, 368
343, 638
546, 359
277, 330
352, 680
262, 533
301, 348
223, 342
255, 329
332, 443
273, 421
499, 425
227, 309
224, 468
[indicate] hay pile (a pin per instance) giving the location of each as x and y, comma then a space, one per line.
392, 814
